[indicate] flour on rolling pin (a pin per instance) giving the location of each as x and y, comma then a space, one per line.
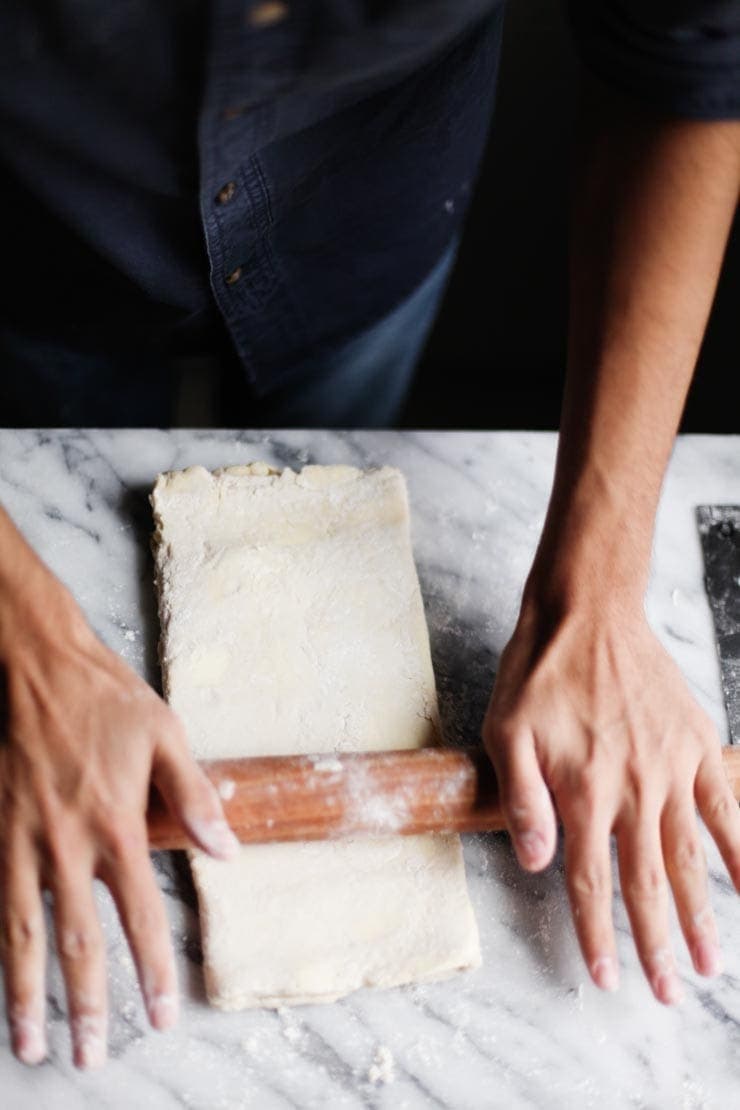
373, 806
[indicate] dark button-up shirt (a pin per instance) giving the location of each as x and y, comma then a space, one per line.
289, 168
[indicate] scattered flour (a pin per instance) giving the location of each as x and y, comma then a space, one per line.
124, 960
226, 789
327, 765
291, 1030
694, 1095
382, 1069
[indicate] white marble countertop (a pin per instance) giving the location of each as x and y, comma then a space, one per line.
527, 1029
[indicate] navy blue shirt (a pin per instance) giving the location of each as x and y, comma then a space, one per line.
291, 169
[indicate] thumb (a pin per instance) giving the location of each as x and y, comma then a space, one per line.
525, 800
192, 798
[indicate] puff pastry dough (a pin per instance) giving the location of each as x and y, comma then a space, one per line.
292, 621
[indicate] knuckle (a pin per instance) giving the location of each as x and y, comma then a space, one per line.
88, 1016
21, 932
702, 922
721, 807
124, 841
78, 944
589, 806
60, 848
589, 883
688, 856
638, 780
88, 1021
504, 732
588, 779
594, 798
645, 884
579, 805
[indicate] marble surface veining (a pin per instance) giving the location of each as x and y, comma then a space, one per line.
527, 1029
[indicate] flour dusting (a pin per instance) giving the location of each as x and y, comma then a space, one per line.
376, 813
327, 765
382, 1069
226, 789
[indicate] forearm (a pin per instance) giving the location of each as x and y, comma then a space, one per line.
654, 201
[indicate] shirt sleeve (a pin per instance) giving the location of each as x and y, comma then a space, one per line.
681, 57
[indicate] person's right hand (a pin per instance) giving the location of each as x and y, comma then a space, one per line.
83, 739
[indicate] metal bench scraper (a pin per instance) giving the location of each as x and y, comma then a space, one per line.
719, 531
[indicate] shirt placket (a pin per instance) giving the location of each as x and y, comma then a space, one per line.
251, 59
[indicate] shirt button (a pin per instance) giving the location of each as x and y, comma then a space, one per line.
266, 13
226, 192
233, 277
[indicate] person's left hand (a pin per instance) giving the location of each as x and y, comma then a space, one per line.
590, 707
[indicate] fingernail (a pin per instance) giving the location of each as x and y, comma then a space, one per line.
707, 957
217, 837
29, 1040
88, 1036
605, 973
163, 1010
664, 980
530, 846
668, 988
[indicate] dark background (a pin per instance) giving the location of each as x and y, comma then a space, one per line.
501, 331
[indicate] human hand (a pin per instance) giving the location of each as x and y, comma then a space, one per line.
588, 707
84, 738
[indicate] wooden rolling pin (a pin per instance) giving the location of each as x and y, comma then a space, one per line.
322, 797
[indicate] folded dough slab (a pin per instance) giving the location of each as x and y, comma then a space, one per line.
292, 622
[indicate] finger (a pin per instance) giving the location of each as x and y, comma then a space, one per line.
720, 812
81, 950
525, 801
128, 873
645, 892
192, 797
23, 948
588, 875
687, 873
